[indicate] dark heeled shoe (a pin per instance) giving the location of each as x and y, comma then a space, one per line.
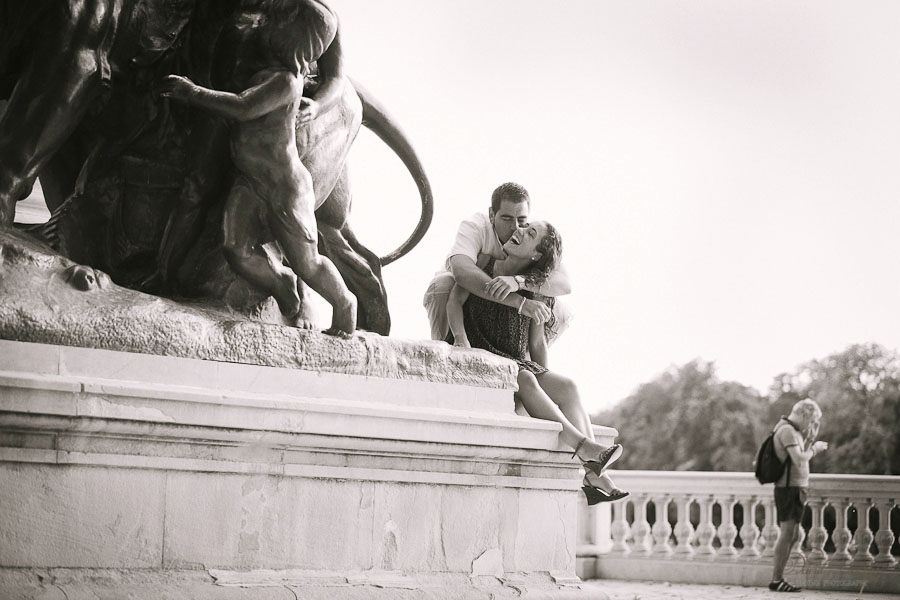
606, 458
596, 495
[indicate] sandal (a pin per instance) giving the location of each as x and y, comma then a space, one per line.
783, 586
596, 495
606, 458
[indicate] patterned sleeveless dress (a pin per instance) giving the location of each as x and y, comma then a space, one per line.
498, 328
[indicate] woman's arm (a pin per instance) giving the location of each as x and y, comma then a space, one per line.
537, 344
455, 301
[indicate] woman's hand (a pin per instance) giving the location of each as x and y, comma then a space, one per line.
536, 310
501, 286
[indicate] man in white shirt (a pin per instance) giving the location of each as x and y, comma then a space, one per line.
480, 238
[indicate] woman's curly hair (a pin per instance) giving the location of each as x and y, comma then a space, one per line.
550, 248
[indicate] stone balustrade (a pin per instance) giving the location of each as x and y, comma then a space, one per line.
674, 521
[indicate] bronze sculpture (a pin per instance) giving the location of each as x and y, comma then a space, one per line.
137, 186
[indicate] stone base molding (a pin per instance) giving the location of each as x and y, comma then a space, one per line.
155, 476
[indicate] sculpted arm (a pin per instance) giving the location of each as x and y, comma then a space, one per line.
331, 82
271, 91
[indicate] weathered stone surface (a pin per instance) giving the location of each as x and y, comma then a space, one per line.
147, 490
82, 524
37, 304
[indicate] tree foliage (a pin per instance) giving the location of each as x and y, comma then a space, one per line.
687, 419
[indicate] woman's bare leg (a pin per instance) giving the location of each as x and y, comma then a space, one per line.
540, 406
564, 393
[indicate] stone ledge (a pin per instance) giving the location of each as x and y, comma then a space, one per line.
67, 367
122, 401
38, 305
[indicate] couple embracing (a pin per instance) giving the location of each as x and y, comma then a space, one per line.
499, 293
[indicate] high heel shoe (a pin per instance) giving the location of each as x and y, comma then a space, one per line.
606, 458
596, 495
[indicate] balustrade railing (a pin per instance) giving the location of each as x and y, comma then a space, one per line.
851, 522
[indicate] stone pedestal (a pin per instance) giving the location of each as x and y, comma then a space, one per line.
132, 475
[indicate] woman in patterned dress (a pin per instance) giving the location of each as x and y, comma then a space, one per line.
533, 251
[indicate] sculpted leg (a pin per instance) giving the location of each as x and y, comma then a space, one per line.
49, 100
245, 253
294, 226
359, 267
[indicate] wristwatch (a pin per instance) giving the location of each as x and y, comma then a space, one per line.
520, 280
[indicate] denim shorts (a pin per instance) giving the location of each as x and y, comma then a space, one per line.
789, 503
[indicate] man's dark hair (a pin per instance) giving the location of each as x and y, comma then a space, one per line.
511, 192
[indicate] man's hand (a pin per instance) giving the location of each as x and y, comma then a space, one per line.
501, 286
309, 110
819, 446
536, 310
178, 87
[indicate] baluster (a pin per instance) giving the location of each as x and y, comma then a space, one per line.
797, 555
620, 528
727, 529
863, 537
705, 529
749, 530
841, 535
817, 533
640, 529
684, 531
770, 529
884, 538
662, 529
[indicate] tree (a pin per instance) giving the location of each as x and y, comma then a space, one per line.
859, 392
686, 419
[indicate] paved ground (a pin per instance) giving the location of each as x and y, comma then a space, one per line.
654, 590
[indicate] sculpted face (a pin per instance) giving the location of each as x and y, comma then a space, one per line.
508, 218
524, 241
86, 278
160, 23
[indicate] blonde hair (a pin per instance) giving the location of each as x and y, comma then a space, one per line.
806, 409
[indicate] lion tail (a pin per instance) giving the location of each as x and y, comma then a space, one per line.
379, 122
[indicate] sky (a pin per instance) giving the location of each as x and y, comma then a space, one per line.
724, 174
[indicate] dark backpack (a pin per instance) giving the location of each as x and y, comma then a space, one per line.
768, 468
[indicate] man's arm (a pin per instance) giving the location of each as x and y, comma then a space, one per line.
797, 455
557, 284
473, 280
331, 82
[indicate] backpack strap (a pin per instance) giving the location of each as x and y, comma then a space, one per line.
787, 458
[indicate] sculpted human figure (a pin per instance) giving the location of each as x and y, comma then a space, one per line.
273, 189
